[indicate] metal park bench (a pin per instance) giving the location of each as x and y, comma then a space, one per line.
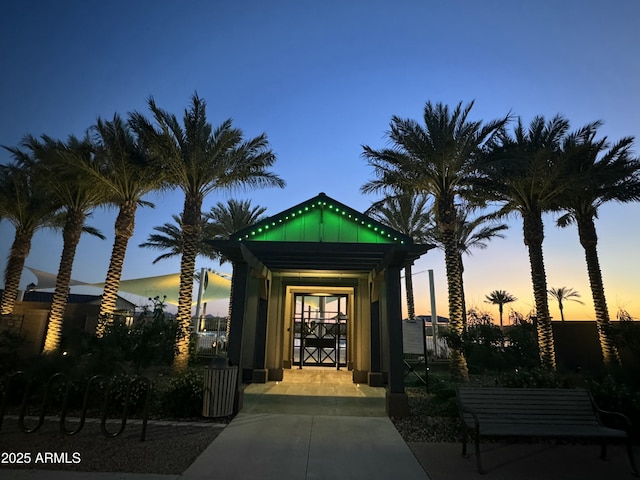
538, 413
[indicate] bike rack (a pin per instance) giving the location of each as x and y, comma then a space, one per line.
43, 407
146, 384
123, 422
85, 406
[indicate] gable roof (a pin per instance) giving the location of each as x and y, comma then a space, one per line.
321, 219
320, 234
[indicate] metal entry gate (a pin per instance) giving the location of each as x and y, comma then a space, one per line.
320, 330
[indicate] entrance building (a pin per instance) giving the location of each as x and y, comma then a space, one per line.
318, 285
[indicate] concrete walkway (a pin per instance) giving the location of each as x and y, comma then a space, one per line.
287, 447
316, 424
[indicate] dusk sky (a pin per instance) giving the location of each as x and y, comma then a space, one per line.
323, 78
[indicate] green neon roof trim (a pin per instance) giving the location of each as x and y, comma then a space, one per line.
321, 219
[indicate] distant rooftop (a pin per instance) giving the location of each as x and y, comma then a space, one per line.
75, 298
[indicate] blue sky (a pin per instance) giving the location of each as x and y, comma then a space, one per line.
322, 78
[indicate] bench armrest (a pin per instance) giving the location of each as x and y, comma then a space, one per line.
616, 417
618, 420
464, 409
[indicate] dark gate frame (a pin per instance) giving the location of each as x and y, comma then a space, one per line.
320, 341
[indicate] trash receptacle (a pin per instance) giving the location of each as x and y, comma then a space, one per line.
219, 389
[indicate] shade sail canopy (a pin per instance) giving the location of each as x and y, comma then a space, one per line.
48, 280
217, 287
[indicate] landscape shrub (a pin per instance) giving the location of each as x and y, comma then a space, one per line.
184, 396
443, 401
483, 347
150, 341
119, 388
490, 348
532, 378
627, 335
10, 344
522, 345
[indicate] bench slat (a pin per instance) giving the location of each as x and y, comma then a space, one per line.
534, 419
565, 431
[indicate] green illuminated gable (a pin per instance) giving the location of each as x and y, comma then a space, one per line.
321, 219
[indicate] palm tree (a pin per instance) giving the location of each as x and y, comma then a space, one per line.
220, 222
474, 233
169, 240
122, 171
562, 294
500, 298
28, 206
524, 172
607, 173
199, 159
224, 221
435, 159
407, 214
78, 196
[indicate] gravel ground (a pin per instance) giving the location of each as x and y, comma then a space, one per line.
166, 450
421, 425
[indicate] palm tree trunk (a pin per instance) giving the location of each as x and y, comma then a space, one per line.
408, 284
71, 237
228, 326
561, 307
191, 231
500, 310
464, 300
589, 241
19, 253
533, 237
124, 227
446, 222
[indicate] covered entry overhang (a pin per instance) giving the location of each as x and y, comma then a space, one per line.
324, 258
283, 268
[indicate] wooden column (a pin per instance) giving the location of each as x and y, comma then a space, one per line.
260, 373
376, 377
238, 305
397, 400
